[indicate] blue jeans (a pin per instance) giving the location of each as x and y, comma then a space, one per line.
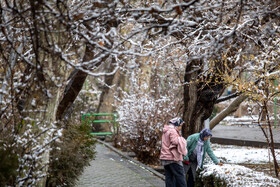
175, 175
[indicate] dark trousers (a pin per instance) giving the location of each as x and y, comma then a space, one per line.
190, 182
174, 175
190, 170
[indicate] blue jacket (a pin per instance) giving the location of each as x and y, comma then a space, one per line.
191, 144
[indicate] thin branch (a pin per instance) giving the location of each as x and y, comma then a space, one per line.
225, 98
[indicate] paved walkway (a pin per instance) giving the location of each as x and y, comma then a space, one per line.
244, 133
110, 169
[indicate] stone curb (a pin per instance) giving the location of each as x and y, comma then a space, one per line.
161, 176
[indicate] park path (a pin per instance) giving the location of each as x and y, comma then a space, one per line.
243, 132
110, 169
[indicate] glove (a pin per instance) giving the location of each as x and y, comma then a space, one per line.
186, 162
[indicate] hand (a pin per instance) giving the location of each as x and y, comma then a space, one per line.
186, 162
220, 164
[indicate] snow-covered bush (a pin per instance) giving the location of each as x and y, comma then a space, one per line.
142, 115
22, 152
234, 175
141, 119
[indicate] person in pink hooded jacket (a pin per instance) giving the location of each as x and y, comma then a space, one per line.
173, 148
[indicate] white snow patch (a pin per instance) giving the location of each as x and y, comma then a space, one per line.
33, 103
235, 175
241, 154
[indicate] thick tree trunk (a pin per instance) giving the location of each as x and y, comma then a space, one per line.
199, 99
40, 106
38, 110
75, 85
43, 120
106, 100
145, 74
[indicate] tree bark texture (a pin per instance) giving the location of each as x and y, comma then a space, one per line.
199, 99
39, 107
145, 74
75, 85
73, 88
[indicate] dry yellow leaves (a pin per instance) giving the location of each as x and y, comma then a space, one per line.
101, 43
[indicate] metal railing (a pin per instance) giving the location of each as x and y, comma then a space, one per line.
87, 119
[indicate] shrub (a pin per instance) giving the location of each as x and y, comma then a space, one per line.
141, 120
233, 175
8, 165
149, 101
70, 155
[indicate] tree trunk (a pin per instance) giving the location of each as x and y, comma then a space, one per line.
199, 99
106, 101
39, 108
230, 109
77, 79
145, 74
47, 119
39, 114
75, 85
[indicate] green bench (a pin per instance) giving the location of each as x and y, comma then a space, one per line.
87, 119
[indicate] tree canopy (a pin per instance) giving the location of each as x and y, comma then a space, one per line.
47, 47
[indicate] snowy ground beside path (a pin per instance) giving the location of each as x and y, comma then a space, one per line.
235, 175
241, 119
239, 154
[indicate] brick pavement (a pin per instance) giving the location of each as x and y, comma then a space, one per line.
110, 169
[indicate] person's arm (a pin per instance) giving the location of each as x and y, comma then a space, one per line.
189, 143
182, 146
174, 137
211, 154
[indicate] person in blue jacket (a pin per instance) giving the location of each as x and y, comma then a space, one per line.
197, 145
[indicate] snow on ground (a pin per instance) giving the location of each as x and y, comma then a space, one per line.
244, 120
241, 154
235, 175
